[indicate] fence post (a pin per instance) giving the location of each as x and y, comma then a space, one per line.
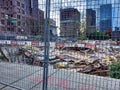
47, 44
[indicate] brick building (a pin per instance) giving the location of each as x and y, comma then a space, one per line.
23, 17
2, 20
13, 9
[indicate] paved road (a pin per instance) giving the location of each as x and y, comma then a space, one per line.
26, 77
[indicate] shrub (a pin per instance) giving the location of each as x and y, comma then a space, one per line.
115, 70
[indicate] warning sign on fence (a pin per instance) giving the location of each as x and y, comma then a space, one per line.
59, 44
91, 46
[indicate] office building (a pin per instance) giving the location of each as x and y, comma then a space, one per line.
32, 7
34, 18
105, 17
69, 23
90, 21
107, 13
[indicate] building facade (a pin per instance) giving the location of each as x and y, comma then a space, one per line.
105, 17
41, 22
107, 13
34, 18
2, 20
53, 29
14, 10
69, 23
115, 35
21, 17
90, 21
32, 7
35, 23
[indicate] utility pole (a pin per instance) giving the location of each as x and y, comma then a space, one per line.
20, 18
47, 44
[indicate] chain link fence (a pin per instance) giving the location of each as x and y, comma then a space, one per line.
67, 45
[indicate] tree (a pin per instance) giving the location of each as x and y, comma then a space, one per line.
82, 32
97, 35
108, 32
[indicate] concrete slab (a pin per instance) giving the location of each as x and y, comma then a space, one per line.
9, 88
1, 85
31, 78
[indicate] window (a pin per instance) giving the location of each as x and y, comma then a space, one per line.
8, 29
10, 2
19, 29
2, 15
18, 23
18, 3
23, 18
18, 16
22, 5
6, 3
3, 22
23, 12
18, 10
11, 15
23, 24
12, 29
8, 23
3, 28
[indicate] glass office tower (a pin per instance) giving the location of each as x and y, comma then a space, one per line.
105, 17
107, 13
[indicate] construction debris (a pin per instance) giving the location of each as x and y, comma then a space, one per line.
87, 61
91, 59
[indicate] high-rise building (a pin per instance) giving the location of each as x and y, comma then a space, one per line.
32, 7
69, 22
105, 17
53, 29
41, 22
2, 20
21, 17
34, 18
104, 8
12, 10
90, 21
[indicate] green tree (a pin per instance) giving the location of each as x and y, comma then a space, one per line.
114, 70
108, 32
97, 35
82, 32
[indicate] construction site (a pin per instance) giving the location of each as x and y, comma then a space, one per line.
88, 59
59, 45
